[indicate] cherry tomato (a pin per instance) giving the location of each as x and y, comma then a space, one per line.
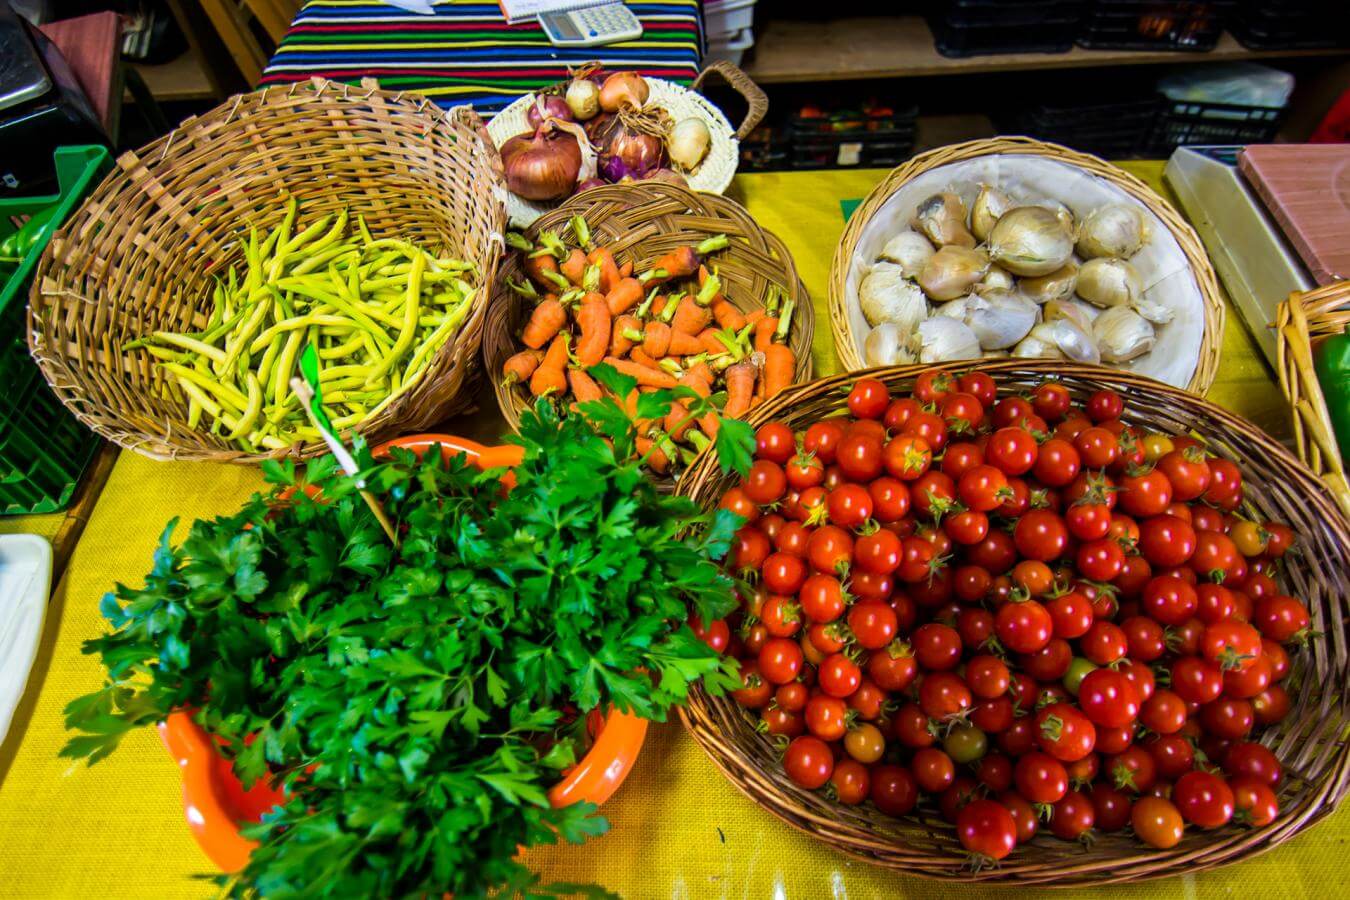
804, 471
1040, 778
1271, 705
907, 457
717, 635
750, 549
933, 494
1197, 680
1228, 718
1107, 698
987, 829
1169, 600
738, 501
937, 647
873, 623
1278, 658
1145, 494
1110, 808
994, 771
943, 694
1253, 760
966, 527
826, 717
879, 552
1009, 410
912, 727
1023, 627
1281, 618
765, 483
932, 385
822, 439
995, 554
1132, 769
930, 428
776, 720
1072, 817
1164, 712
1157, 822
780, 659
865, 743
987, 676
1140, 677
1188, 472
1097, 447
1100, 560
962, 412
1254, 803
868, 399
791, 696
1247, 683
755, 690
1088, 521
1051, 401
829, 549
1011, 450
1231, 645
808, 761
899, 412
1203, 799
1104, 405
994, 716
933, 770
1145, 638
775, 442
893, 790
1041, 535
782, 617
1166, 540
1071, 614
1064, 732
1104, 643
1225, 485
1281, 538
1048, 663
979, 385
850, 782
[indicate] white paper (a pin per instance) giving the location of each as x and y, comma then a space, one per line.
421, 7
1162, 264
25, 577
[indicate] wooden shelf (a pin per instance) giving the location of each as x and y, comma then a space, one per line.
788, 50
182, 78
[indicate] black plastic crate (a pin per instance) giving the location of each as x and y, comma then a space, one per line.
1289, 25
1113, 127
980, 28
765, 149
1193, 25
1183, 122
866, 153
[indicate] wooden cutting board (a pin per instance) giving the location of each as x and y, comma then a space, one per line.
1306, 187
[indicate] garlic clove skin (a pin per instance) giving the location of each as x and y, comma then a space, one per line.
1123, 334
941, 339
1058, 285
909, 250
885, 346
1116, 229
1030, 241
1062, 212
1033, 347
886, 295
952, 272
996, 278
1076, 311
1075, 343
1000, 318
954, 309
1108, 282
995, 354
1153, 312
942, 219
989, 206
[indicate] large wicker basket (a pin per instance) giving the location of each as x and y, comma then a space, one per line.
1305, 317
1311, 741
847, 341
640, 223
142, 252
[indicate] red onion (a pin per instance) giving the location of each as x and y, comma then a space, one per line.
591, 183
547, 106
669, 176
543, 165
627, 149
623, 89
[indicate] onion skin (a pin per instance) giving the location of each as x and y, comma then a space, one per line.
669, 176
627, 153
623, 89
542, 165
591, 183
554, 108
583, 99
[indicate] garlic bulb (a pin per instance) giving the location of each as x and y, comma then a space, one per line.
1123, 334
941, 339
1030, 240
1034, 347
1154, 312
909, 250
1117, 229
1075, 343
990, 204
1055, 286
688, 143
952, 272
886, 295
955, 309
1073, 310
885, 346
1108, 282
1000, 318
996, 278
942, 219
1062, 212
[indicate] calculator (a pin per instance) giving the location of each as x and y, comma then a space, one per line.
605, 24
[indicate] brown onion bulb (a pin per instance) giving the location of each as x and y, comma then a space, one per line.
543, 165
547, 106
623, 89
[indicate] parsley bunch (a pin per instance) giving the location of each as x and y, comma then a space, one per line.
417, 704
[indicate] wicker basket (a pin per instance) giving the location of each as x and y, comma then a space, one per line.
1304, 317
714, 174
141, 253
1310, 741
847, 342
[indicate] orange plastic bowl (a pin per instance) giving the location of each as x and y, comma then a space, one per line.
216, 804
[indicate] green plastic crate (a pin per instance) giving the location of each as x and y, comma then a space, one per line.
43, 448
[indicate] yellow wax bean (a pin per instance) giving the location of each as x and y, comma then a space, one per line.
281, 378
409, 330
187, 343
246, 422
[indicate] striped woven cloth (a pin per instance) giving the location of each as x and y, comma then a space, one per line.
466, 53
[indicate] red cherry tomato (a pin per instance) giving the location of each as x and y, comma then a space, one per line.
1107, 698
1011, 450
1064, 732
1231, 645
1204, 799
1023, 627
1254, 803
1051, 401
808, 762
943, 694
838, 675
1040, 778
987, 829
868, 399
873, 623
979, 385
1104, 405
893, 790
775, 442
1041, 535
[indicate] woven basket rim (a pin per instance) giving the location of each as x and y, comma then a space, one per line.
1211, 343
1312, 737
264, 114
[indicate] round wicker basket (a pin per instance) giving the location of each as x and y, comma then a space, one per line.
1310, 741
640, 223
1305, 317
714, 174
848, 343
142, 251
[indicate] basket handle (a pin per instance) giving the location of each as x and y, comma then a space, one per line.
741, 83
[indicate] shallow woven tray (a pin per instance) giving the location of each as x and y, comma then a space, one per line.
142, 251
847, 343
714, 174
641, 222
1311, 741
1304, 317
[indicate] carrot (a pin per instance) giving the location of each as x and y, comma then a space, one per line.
656, 457
703, 275
658, 305
538, 268
727, 315
594, 322
619, 343
754, 315
656, 341
574, 267
626, 270
779, 364
699, 379
547, 320
639, 356
690, 317
583, 385
609, 271
764, 330
549, 377
521, 366
625, 295
682, 344
740, 389
646, 375
708, 339
683, 262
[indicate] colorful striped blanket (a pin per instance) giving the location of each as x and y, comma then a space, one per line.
466, 53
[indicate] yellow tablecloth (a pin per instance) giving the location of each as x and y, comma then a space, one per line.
116, 830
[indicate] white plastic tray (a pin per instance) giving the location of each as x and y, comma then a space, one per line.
25, 578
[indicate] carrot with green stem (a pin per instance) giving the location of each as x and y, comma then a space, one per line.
514, 239
584, 388
639, 356
683, 262
625, 295
772, 328
609, 270
690, 317
646, 307
574, 267
708, 339
656, 339
626, 270
779, 364
594, 322
626, 332
521, 366
524, 288
547, 320
670, 307
543, 271
652, 454
740, 389
647, 376
683, 344
581, 231
550, 377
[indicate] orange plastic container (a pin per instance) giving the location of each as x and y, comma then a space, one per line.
216, 804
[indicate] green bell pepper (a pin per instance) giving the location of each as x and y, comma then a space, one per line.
1331, 361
